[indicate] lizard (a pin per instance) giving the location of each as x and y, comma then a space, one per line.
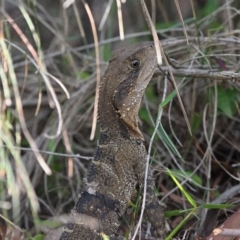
119, 162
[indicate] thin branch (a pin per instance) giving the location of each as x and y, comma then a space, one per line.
227, 195
105, 15
11, 223
198, 73
98, 73
67, 144
51, 153
120, 20
153, 31
181, 18
226, 232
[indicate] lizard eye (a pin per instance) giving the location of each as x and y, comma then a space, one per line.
135, 63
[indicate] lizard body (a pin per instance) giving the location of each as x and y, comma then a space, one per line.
119, 162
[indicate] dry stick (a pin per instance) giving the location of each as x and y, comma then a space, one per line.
120, 20
227, 195
95, 38
50, 153
153, 12
67, 144
11, 223
79, 22
198, 73
153, 31
105, 15
181, 18
226, 232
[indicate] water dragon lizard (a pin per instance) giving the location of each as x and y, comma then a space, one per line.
119, 163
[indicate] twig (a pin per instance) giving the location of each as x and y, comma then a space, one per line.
120, 19
153, 31
198, 73
11, 223
51, 153
98, 73
181, 18
227, 195
105, 16
226, 232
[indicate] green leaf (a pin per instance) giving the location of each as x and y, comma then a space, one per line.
107, 53
195, 122
143, 115
227, 99
168, 141
168, 99
217, 206
132, 204
188, 197
210, 6
173, 213
84, 75
195, 179
150, 93
51, 224
176, 229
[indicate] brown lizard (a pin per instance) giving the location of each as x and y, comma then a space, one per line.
119, 162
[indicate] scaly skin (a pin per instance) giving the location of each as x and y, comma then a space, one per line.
119, 163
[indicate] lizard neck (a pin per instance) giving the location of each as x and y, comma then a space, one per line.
109, 119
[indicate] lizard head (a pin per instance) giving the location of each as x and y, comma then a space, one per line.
126, 78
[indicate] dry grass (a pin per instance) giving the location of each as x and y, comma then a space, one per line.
47, 90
